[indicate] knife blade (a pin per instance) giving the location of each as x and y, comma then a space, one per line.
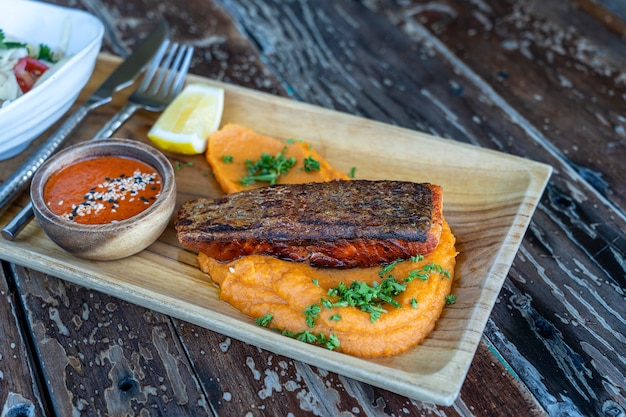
121, 77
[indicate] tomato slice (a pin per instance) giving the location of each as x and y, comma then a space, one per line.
27, 71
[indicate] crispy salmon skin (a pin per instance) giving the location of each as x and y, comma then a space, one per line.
339, 224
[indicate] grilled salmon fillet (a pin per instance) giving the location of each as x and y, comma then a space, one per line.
339, 224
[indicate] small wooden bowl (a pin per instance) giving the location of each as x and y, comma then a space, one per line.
111, 240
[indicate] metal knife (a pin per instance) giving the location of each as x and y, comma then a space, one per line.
123, 76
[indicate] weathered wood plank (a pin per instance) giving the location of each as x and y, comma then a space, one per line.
276, 385
237, 78
445, 95
103, 356
612, 13
560, 69
453, 93
222, 52
139, 126
243, 78
19, 383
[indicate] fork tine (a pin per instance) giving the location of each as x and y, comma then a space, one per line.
163, 69
179, 80
172, 70
178, 71
155, 63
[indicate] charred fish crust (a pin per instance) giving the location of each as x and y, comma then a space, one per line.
338, 223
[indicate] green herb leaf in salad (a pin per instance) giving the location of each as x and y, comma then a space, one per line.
43, 52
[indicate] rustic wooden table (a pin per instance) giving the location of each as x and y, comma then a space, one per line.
542, 80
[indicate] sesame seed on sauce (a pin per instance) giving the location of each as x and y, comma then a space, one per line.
102, 190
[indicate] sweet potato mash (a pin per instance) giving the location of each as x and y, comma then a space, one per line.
230, 147
262, 285
306, 302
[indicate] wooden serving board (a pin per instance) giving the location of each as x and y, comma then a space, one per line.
489, 198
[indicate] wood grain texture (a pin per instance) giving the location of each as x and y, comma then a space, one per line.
104, 356
19, 385
108, 357
570, 270
552, 324
197, 173
488, 215
296, 388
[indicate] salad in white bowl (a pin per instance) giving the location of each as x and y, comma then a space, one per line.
72, 40
22, 65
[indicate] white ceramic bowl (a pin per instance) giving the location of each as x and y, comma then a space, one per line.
110, 240
28, 116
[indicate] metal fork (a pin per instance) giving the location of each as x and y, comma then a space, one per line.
163, 80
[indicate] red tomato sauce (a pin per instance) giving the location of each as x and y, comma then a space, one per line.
102, 190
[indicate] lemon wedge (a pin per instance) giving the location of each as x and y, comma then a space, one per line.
189, 119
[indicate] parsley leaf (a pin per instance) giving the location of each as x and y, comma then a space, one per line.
9, 45
268, 168
331, 342
417, 258
311, 313
265, 320
386, 270
311, 164
369, 298
45, 53
180, 165
450, 299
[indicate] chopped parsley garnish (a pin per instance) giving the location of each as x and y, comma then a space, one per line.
433, 267
450, 299
311, 313
265, 320
352, 172
327, 303
311, 164
417, 258
418, 274
268, 168
227, 159
368, 298
180, 165
371, 298
386, 270
329, 342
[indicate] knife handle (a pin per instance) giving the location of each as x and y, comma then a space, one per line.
17, 223
10, 188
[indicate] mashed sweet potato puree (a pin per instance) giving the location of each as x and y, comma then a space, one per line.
230, 147
261, 285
